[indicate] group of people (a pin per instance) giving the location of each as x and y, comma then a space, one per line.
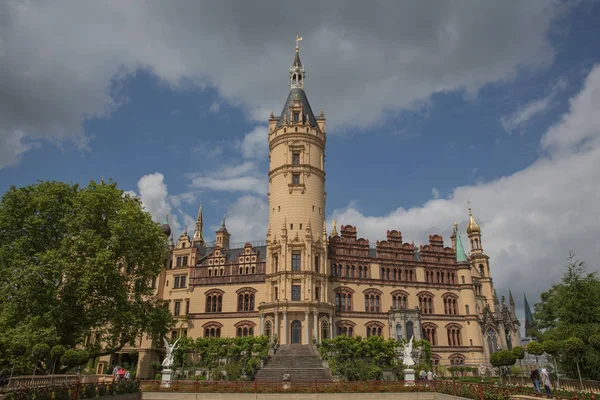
120, 373
543, 377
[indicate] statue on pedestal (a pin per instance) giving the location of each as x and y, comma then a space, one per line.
170, 351
407, 353
409, 373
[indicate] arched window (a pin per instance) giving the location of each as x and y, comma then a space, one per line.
246, 299
345, 327
372, 300
374, 328
508, 339
399, 300
347, 270
352, 271
268, 330
339, 269
454, 335
492, 340
212, 329
410, 331
214, 301
245, 328
425, 302
343, 299
481, 270
430, 333
324, 330
398, 332
450, 303
457, 359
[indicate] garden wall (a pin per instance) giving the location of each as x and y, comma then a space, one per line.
287, 396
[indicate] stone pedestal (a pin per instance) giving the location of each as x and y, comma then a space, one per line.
167, 377
409, 377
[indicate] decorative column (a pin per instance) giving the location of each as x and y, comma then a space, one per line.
316, 325
261, 324
285, 328
306, 327
277, 326
330, 327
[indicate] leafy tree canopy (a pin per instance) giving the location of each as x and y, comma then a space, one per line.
76, 260
571, 310
502, 358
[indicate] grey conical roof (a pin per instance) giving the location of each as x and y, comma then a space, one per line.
301, 95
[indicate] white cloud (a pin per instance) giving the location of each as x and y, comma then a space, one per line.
524, 114
529, 220
182, 198
155, 199
398, 56
255, 144
435, 193
580, 128
247, 219
243, 177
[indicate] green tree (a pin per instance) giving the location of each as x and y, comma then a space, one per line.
535, 348
502, 358
575, 350
75, 260
519, 353
571, 309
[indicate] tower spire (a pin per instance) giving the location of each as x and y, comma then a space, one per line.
297, 70
198, 236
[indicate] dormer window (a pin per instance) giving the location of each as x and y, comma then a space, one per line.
296, 117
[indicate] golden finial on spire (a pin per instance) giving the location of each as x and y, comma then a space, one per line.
472, 227
334, 231
298, 38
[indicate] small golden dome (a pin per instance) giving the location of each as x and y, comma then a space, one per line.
472, 227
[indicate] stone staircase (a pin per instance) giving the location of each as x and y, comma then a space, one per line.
299, 360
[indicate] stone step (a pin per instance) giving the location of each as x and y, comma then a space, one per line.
300, 361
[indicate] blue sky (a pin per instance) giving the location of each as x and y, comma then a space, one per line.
426, 108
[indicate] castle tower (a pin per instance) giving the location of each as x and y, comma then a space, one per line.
480, 263
296, 295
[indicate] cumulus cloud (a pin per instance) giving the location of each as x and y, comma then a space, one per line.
247, 219
524, 114
529, 220
395, 55
255, 144
152, 191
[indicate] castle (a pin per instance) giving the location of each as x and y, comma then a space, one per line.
307, 284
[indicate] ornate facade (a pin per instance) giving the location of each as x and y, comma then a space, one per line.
306, 284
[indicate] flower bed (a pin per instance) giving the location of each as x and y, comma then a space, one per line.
278, 387
73, 391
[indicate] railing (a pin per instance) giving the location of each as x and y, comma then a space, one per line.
284, 387
563, 383
502, 392
72, 391
49, 380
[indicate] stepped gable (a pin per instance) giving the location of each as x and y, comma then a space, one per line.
299, 360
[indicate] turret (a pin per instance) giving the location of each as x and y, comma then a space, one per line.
223, 236
474, 234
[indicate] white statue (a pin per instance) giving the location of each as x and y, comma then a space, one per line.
407, 352
170, 351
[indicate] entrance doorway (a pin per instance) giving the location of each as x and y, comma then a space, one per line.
296, 332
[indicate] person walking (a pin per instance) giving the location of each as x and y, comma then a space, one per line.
535, 378
546, 382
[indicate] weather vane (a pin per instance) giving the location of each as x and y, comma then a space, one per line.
298, 38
